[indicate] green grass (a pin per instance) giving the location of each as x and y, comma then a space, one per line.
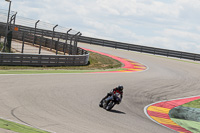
192, 126
189, 125
52, 71
97, 63
193, 104
19, 127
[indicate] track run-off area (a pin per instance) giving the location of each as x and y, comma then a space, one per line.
68, 103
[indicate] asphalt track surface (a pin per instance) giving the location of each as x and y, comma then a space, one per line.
68, 103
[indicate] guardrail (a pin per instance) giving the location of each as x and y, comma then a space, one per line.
76, 57
139, 48
38, 36
14, 59
57, 45
120, 45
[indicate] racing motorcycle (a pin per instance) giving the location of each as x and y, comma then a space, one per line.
110, 101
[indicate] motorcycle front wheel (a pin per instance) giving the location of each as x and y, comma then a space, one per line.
110, 105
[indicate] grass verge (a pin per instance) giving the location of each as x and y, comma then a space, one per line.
193, 104
51, 71
19, 127
97, 61
189, 125
192, 126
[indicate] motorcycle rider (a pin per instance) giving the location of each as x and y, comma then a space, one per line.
118, 89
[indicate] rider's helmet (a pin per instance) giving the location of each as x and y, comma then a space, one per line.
120, 87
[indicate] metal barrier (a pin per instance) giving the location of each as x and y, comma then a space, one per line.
125, 46
139, 48
40, 36
14, 59
119, 45
67, 42
59, 42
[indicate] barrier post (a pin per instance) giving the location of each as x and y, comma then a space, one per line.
65, 45
41, 39
53, 36
70, 46
13, 18
56, 45
75, 43
35, 31
23, 35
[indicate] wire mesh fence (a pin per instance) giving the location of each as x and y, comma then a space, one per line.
4, 14
25, 41
26, 35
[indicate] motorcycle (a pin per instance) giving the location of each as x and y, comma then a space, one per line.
110, 101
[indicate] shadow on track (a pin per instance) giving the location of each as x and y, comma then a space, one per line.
116, 111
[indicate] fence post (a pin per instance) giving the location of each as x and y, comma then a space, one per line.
13, 19
45, 42
9, 33
70, 46
64, 48
23, 36
75, 43
41, 39
9, 41
53, 36
35, 31
57, 43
